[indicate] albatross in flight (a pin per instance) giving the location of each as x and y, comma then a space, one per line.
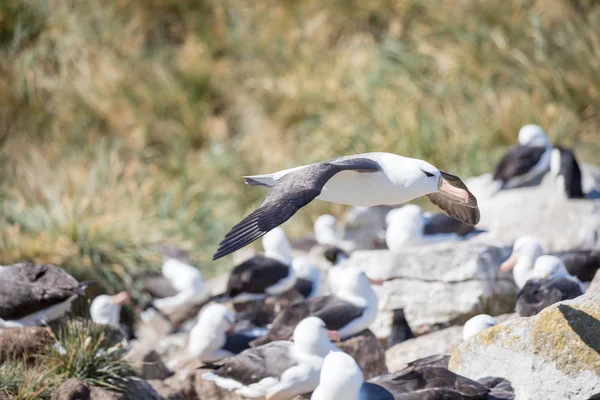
367, 179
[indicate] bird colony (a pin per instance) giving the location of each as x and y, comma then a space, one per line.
392, 302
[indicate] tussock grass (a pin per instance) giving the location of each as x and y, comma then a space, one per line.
128, 124
22, 381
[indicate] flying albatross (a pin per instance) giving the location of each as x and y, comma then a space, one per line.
33, 294
367, 179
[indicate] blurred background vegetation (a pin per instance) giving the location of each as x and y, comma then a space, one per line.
126, 124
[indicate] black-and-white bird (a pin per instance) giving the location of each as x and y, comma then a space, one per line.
342, 378
526, 161
566, 172
538, 294
361, 180
33, 294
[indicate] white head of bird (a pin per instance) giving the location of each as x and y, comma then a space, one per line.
312, 338
549, 267
210, 332
217, 317
355, 287
106, 309
533, 135
325, 228
525, 252
341, 378
477, 324
404, 226
277, 246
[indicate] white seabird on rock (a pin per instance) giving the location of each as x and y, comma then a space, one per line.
33, 294
326, 233
278, 370
478, 324
361, 180
106, 310
526, 161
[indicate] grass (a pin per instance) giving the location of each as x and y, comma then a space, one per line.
127, 124
85, 356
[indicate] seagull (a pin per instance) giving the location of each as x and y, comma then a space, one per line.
526, 161
477, 324
367, 179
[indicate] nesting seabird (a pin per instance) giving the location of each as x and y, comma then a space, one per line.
213, 338
566, 172
400, 329
361, 180
326, 233
526, 161
342, 378
278, 370
581, 263
478, 324
349, 311
538, 294
441, 223
106, 310
184, 277
308, 277
33, 294
259, 276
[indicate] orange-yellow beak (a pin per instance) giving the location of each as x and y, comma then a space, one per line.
120, 298
334, 336
509, 264
453, 191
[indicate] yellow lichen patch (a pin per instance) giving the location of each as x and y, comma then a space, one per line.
568, 334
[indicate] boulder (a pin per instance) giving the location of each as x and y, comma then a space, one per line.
137, 389
443, 341
72, 389
552, 355
510, 214
595, 283
148, 365
368, 352
438, 284
24, 343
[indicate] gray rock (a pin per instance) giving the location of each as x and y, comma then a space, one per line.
368, 352
510, 214
137, 389
552, 355
72, 389
147, 364
439, 284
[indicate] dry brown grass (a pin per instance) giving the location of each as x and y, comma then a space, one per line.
128, 124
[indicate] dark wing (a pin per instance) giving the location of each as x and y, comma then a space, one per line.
255, 275
443, 223
430, 383
581, 263
464, 211
304, 286
336, 312
436, 360
569, 169
500, 388
289, 194
400, 329
540, 293
26, 288
252, 365
518, 161
157, 286
238, 341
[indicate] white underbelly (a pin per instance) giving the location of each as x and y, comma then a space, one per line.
363, 189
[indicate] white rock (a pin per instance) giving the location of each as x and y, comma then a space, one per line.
442, 283
552, 355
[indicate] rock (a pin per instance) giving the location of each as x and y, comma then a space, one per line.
510, 214
362, 228
24, 343
72, 389
439, 342
166, 391
552, 355
137, 389
438, 284
368, 352
148, 365
595, 283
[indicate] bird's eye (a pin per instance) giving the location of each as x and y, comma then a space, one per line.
429, 174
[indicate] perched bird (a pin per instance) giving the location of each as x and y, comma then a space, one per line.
33, 294
106, 310
212, 337
526, 161
477, 324
549, 266
279, 370
361, 180
538, 294
342, 378
349, 311
308, 277
186, 280
581, 263
326, 233
259, 276
337, 257
567, 174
